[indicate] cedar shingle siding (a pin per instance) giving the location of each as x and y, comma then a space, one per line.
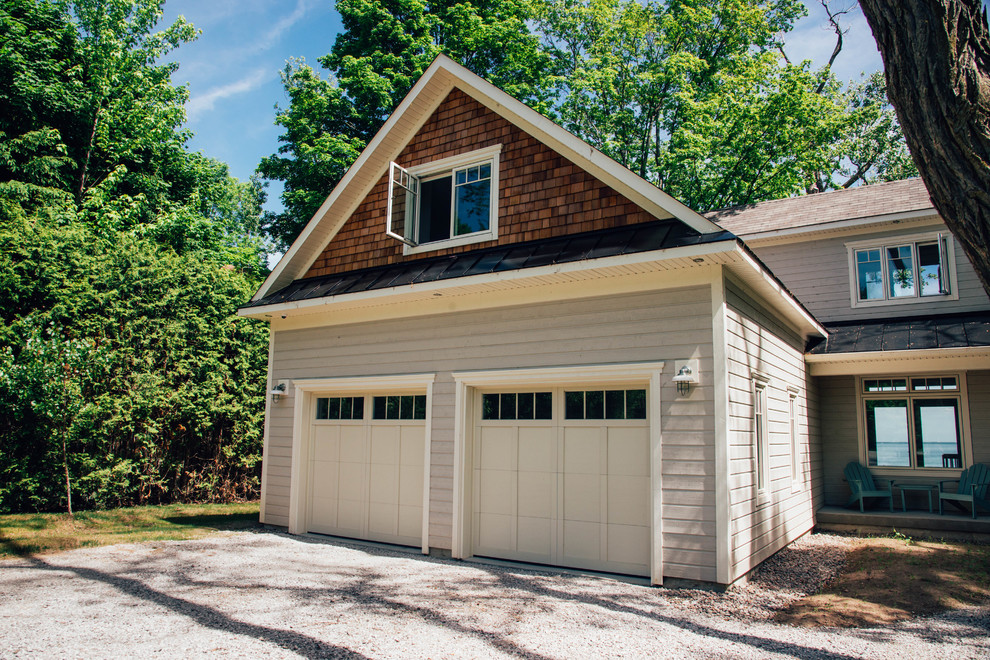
541, 193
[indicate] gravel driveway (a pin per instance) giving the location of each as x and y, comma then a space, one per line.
266, 594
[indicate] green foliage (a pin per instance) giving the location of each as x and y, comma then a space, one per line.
696, 96
123, 257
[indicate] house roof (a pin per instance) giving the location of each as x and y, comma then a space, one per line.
966, 330
437, 81
631, 239
823, 209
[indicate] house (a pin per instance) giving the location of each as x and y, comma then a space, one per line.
493, 341
904, 373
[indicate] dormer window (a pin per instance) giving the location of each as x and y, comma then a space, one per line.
904, 270
445, 203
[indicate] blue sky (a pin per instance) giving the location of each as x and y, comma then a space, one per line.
232, 70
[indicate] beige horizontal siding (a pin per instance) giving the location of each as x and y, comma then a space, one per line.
817, 273
840, 435
654, 326
760, 524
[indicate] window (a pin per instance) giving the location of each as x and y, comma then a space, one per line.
445, 203
521, 405
760, 435
792, 429
605, 404
399, 407
905, 271
344, 407
912, 422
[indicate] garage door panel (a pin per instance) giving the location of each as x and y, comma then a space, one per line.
352, 483
410, 485
384, 484
629, 451
534, 538
350, 516
326, 443
629, 500
536, 494
495, 533
324, 481
383, 519
629, 544
537, 449
582, 450
582, 497
582, 540
385, 445
411, 446
498, 448
323, 511
410, 521
495, 491
352, 443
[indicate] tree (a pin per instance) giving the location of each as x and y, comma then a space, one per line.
936, 56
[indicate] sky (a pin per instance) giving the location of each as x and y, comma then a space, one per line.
232, 70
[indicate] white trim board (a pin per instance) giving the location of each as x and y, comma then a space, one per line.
906, 362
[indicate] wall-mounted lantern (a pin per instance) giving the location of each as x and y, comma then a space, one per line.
684, 379
278, 391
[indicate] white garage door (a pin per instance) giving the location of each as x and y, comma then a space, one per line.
562, 477
366, 468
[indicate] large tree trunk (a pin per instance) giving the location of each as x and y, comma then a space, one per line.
936, 56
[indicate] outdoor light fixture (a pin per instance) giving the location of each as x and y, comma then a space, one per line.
277, 392
684, 378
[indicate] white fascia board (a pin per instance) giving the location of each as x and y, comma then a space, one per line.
621, 372
444, 74
727, 247
793, 310
890, 362
344, 385
813, 232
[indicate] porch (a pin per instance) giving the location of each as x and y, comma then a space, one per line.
955, 524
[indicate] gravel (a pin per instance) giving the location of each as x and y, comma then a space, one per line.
251, 594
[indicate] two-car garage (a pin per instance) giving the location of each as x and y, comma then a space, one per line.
557, 474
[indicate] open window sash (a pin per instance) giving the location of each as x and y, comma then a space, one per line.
943, 255
403, 190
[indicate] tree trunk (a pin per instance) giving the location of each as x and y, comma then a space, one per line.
65, 464
936, 56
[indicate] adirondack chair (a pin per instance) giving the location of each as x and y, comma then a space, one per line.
862, 484
974, 484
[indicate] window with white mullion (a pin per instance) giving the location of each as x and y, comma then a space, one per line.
901, 271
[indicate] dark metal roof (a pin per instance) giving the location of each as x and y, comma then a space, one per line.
905, 334
645, 237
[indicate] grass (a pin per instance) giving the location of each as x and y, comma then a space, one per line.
40, 533
890, 579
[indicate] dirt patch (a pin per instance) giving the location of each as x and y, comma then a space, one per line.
893, 579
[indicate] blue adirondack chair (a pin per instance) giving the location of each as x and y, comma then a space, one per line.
974, 482
863, 485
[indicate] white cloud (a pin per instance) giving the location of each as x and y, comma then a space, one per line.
204, 102
271, 37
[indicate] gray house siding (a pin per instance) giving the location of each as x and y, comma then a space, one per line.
763, 522
817, 273
655, 326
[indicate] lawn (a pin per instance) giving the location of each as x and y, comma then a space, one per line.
39, 533
888, 579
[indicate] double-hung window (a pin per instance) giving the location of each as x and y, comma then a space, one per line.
910, 269
912, 421
445, 203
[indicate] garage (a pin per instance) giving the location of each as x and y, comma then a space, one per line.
561, 476
366, 467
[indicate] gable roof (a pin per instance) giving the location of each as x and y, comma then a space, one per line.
876, 202
437, 81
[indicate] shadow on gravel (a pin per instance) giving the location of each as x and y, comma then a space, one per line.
305, 646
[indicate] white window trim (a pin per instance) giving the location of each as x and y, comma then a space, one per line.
488, 154
965, 440
891, 241
761, 437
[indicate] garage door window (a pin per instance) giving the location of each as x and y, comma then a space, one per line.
605, 404
399, 407
343, 407
517, 405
